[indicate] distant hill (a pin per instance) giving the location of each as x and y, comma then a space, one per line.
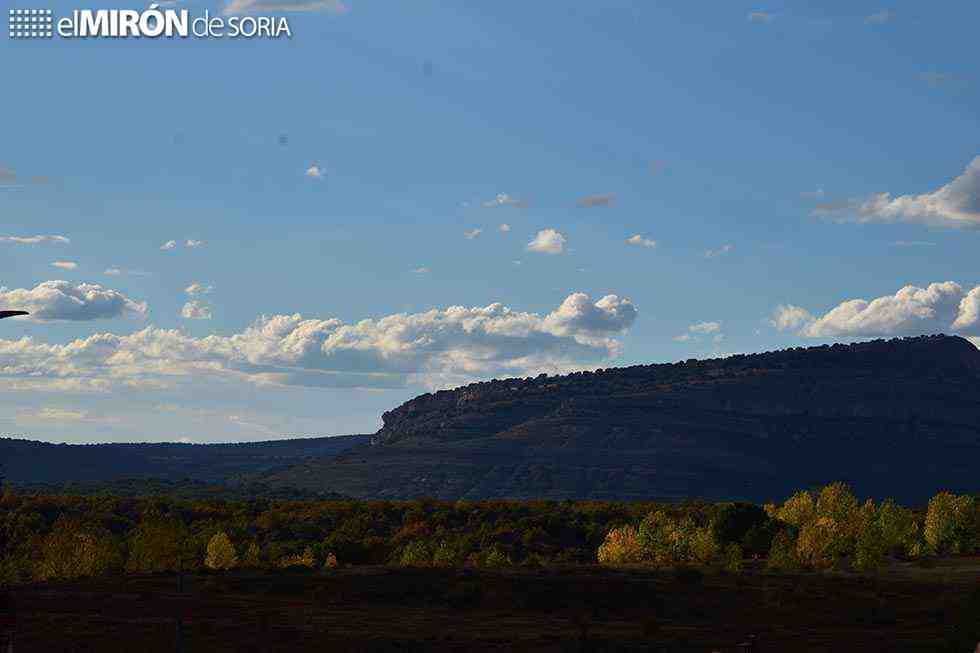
896, 418
28, 461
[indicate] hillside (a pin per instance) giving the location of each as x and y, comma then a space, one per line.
28, 461
894, 418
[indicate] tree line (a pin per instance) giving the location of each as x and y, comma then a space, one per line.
65, 537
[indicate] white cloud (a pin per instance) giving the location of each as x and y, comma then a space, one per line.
194, 243
61, 416
436, 347
879, 17
65, 265
957, 204
939, 307
503, 199
115, 271
33, 240
705, 327
421, 270
170, 244
721, 251
196, 310
235, 7
472, 233
314, 172
547, 241
197, 289
592, 201
504, 228
788, 317
760, 17
63, 300
975, 340
641, 241
701, 328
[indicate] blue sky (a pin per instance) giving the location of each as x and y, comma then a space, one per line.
775, 162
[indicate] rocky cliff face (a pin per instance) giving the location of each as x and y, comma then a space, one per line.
898, 417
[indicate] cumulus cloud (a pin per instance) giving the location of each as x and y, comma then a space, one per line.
640, 241
504, 228
701, 329
705, 327
503, 199
65, 265
975, 340
451, 345
472, 233
957, 204
421, 270
720, 251
194, 243
197, 289
235, 7
592, 201
196, 310
170, 244
34, 240
939, 307
760, 17
63, 300
314, 172
788, 317
547, 241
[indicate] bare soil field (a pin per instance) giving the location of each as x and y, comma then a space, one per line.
911, 608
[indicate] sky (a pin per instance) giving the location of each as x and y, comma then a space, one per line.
248, 239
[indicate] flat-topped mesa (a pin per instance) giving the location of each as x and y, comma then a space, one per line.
892, 379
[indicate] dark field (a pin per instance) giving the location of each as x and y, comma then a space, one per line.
911, 607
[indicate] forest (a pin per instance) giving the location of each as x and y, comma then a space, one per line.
48, 537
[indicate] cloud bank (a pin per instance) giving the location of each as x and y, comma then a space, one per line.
939, 307
435, 348
63, 300
955, 205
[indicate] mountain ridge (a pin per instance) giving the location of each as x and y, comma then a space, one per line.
894, 417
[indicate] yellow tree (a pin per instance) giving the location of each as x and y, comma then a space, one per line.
951, 523
74, 550
221, 553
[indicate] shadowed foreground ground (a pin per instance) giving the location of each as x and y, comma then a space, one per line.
912, 608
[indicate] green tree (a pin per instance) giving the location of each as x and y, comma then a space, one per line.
161, 543
253, 557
